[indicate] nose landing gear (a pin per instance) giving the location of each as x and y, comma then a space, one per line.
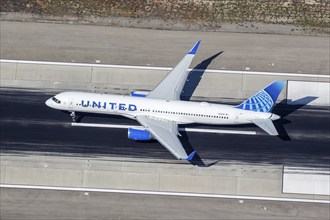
76, 118
73, 116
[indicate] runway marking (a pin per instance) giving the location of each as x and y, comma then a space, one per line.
23, 121
217, 131
141, 192
200, 130
161, 68
94, 125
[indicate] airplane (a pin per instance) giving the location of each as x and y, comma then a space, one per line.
161, 111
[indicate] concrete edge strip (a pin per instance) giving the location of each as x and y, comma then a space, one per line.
141, 192
161, 68
216, 131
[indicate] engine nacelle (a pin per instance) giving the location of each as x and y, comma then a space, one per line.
139, 93
138, 134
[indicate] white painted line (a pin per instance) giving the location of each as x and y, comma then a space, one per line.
83, 64
93, 125
162, 68
13, 186
200, 130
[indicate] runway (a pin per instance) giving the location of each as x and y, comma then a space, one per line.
28, 126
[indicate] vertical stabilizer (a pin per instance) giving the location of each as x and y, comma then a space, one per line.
265, 99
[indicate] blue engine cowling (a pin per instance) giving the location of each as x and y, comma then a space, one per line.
139, 134
139, 93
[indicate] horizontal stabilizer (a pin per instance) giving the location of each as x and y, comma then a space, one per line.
266, 125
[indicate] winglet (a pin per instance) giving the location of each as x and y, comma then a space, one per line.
194, 49
191, 156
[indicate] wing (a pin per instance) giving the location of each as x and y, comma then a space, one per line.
171, 86
165, 132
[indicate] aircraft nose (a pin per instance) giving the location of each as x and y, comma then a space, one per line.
48, 102
274, 117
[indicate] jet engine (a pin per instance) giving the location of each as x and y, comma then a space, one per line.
139, 134
139, 93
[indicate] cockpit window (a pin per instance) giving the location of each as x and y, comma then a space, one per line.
56, 100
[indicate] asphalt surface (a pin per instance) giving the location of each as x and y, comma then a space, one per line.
46, 204
28, 126
131, 46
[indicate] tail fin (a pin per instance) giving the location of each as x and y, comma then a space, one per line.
265, 99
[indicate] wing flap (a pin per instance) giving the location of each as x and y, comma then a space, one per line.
166, 133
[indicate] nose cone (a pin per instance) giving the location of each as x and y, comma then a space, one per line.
49, 102
274, 117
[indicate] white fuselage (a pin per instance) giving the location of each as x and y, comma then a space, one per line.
182, 112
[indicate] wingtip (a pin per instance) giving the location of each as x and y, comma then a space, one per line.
191, 156
195, 47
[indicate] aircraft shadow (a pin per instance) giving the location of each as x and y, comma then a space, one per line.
285, 108
197, 160
195, 76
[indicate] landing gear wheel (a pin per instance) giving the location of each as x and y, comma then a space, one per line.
73, 116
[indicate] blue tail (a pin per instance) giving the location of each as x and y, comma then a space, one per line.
264, 100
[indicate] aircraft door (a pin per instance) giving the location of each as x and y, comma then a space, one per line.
237, 117
71, 103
